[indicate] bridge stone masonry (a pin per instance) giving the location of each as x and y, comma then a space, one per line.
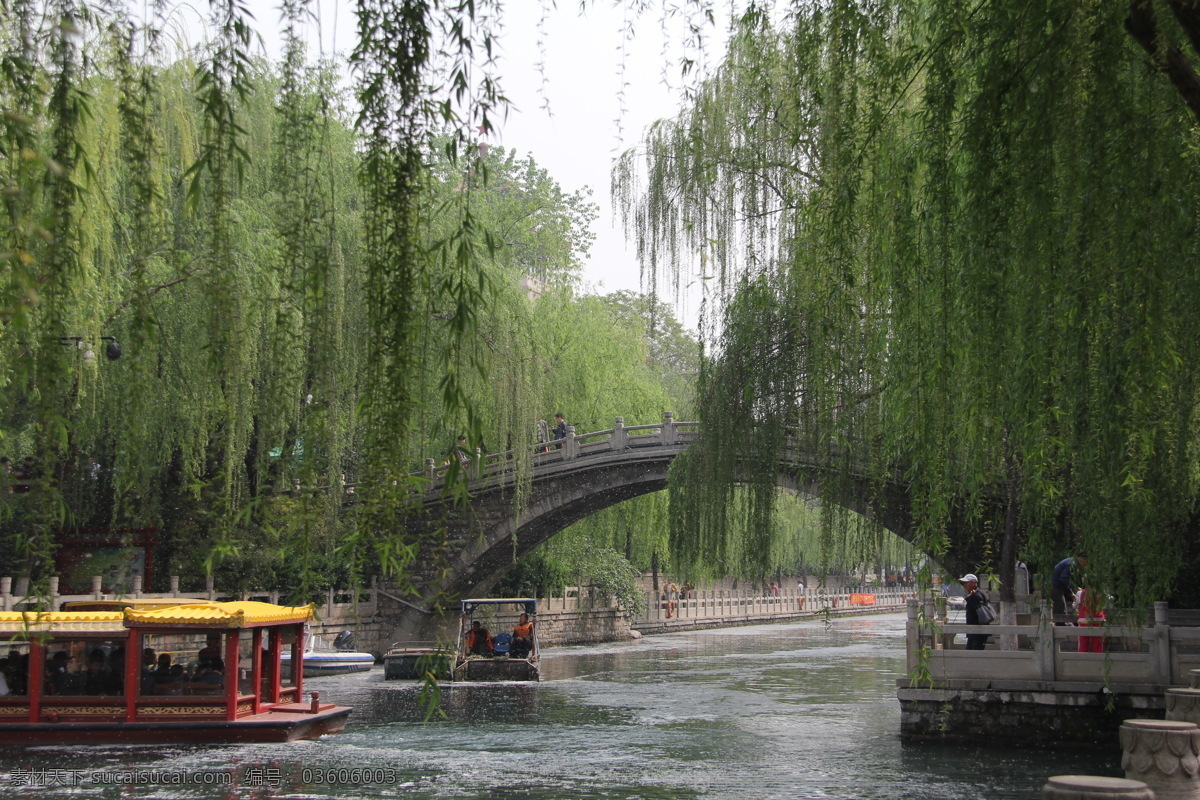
571, 479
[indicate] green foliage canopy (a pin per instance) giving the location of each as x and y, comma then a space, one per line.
957, 249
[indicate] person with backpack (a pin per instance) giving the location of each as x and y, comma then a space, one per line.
975, 599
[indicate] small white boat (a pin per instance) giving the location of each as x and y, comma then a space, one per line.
322, 659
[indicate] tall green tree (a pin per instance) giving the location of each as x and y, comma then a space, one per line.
300, 296
974, 240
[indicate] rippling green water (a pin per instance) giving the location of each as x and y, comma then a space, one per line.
780, 711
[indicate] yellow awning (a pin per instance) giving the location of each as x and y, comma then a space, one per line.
18, 622
240, 614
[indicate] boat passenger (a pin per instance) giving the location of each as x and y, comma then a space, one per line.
214, 674
116, 667
522, 638
210, 652
17, 672
167, 674
60, 678
98, 680
147, 681
479, 641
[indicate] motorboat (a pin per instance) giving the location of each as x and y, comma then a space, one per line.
477, 655
338, 659
480, 656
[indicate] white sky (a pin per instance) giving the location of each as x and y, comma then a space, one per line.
583, 57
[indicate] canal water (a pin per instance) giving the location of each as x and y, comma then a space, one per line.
796, 710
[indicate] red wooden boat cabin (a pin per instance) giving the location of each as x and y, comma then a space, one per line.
200, 672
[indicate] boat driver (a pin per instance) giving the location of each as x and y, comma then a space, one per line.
479, 641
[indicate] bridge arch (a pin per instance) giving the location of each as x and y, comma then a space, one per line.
573, 479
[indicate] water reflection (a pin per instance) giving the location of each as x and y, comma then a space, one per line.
783, 711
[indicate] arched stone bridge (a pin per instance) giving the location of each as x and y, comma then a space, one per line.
572, 479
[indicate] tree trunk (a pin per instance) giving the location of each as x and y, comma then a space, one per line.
1008, 553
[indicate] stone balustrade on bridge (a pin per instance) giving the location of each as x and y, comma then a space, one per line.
557, 455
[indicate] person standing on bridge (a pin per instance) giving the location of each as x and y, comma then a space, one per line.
1063, 585
543, 433
560, 427
975, 598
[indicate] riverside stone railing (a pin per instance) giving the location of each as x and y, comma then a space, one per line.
1158, 653
715, 605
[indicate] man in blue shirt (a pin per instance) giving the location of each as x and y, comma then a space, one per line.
1062, 586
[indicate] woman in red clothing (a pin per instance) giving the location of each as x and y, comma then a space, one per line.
1090, 611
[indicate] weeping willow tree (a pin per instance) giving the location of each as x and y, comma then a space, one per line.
307, 287
621, 354
955, 250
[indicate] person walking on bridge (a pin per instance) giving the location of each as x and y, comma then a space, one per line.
560, 427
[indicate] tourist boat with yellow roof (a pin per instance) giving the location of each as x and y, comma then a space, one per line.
124, 672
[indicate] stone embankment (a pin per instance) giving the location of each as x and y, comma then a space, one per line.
1040, 681
577, 616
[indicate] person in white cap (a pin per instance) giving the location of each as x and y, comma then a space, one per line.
975, 598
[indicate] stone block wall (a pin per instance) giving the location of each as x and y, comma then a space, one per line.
583, 627
1026, 714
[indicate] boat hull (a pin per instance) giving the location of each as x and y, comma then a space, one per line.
319, 663
269, 726
404, 664
497, 669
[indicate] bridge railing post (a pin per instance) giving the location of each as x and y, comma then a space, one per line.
1160, 646
570, 448
912, 635
430, 469
668, 428
617, 442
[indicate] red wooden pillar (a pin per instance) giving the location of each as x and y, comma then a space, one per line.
231, 673
276, 657
256, 671
36, 678
298, 662
133, 673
